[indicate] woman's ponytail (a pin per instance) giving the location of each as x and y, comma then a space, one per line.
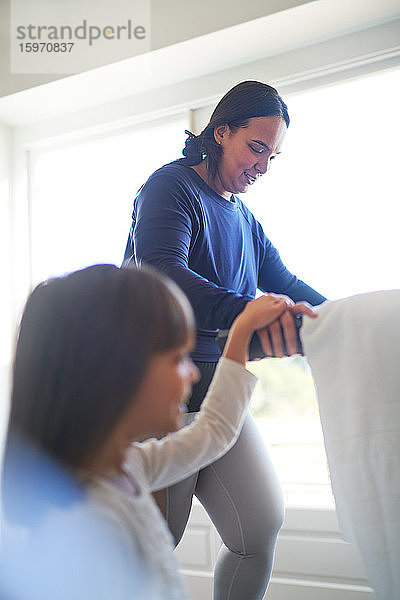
200, 147
193, 148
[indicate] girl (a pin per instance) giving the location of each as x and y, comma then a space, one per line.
102, 362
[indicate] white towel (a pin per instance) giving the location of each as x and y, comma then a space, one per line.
353, 348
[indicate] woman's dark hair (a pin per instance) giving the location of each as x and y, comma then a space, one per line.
243, 102
84, 344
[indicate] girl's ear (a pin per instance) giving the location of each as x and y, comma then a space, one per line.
220, 132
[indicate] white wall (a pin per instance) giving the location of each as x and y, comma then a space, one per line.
175, 21
6, 332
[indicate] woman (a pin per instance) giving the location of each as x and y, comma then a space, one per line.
101, 361
188, 222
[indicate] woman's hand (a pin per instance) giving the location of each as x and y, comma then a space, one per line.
269, 315
257, 315
271, 337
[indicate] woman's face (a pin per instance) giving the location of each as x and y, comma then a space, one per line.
247, 152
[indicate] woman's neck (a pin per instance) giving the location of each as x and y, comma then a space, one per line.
215, 183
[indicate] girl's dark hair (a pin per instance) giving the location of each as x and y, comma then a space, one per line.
243, 102
84, 344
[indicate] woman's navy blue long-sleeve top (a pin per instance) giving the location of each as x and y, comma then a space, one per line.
213, 248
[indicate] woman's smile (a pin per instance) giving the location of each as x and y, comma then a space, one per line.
250, 178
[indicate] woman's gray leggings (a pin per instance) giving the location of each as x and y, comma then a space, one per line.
243, 498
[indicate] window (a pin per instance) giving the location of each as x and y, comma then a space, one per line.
330, 204
82, 195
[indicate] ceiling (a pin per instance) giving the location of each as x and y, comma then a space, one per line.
270, 35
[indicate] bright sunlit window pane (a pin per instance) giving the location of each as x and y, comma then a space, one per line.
82, 195
285, 408
330, 204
